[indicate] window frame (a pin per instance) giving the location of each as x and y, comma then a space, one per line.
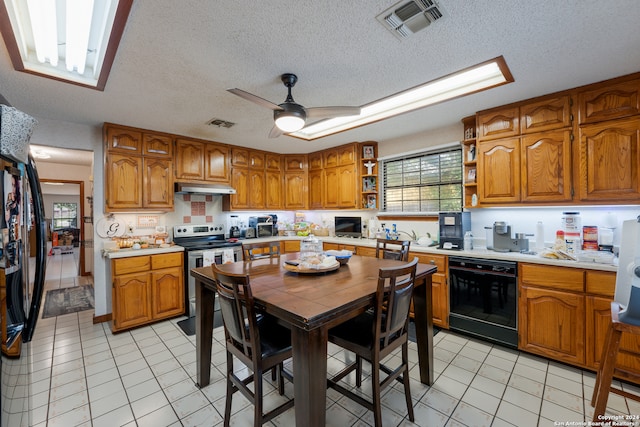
424, 155
73, 221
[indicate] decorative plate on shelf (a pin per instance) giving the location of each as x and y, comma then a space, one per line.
109, 227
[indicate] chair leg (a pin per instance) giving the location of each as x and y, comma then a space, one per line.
603, 356
375, 392
257, 398
606, 370
406, 380
274, 375
230, 387
358, 371
279, 369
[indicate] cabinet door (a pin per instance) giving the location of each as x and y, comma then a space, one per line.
439, 287
366, 251
240, 181
315, 160
330, 192
330, 158
498, 172
598, 321
499, 123
257, 159
551, 323
123, 140
189, 159
124, 182
273, 196
216, 163
609, 102
295, 162
167, 292
290, 246
347, 155
158, 183
295, 185
157, 145
316, 189
546, 167
131, 300
609, 161
239, 157
256, 189
273, 162
347, 187
552, 113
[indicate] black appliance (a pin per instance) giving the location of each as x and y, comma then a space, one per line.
201, 243
22, 267
484, 298
348, 226
452, 227
265, 226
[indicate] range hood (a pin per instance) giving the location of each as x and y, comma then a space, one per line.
183, 187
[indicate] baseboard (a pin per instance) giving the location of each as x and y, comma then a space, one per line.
103, 318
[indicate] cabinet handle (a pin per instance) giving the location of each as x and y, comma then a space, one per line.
432, 262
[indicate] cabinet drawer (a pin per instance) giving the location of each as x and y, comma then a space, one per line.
570, 279
439, 261
131, 265
173, 259
600, 282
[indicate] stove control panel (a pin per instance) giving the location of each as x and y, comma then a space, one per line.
190, 230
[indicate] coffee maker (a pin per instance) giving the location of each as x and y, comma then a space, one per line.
234, 230
503, 242
453, 226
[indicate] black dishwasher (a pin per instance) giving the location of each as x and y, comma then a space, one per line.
484, 299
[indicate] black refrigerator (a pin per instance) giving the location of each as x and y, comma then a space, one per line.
22, 264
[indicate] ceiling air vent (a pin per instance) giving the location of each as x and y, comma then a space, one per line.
220, 123
408, 17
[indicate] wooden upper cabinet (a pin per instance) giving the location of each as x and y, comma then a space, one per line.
296, 190
609, 101
347, 188
330, 158
315, 160
347, 154
499, 171
272, 162
158, 183
273, 185
239, 157
124, 182
610, 160
547, 114
498, 123
157, 145
240, 181
316, 189
257, 187
546, 166
123, 139
216, 163
295, 162
189, 155
257, 159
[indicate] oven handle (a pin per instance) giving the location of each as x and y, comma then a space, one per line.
482, 272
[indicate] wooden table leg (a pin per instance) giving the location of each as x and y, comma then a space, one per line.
310, 376
423, 317
204, 332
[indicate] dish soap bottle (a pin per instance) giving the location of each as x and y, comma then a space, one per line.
468, 241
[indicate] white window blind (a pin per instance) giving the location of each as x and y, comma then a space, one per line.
423, 182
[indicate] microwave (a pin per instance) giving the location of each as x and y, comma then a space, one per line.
265, 229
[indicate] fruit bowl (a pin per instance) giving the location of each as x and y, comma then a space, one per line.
342, 257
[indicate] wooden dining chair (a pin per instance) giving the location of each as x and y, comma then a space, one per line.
253, 251
258, 341
608, 368
393, 249
374, 335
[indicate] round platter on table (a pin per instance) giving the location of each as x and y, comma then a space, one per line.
297, 269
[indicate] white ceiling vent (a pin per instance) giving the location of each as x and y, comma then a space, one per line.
408, 17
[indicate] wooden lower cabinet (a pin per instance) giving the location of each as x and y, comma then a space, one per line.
365, 251
287, 246
551, 323
439, 287
146, 289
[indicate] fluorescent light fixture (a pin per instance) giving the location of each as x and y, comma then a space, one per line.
73, 41
474, 79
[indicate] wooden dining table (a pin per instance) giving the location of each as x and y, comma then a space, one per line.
310, 304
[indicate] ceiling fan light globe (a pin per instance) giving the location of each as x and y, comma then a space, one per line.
291, 119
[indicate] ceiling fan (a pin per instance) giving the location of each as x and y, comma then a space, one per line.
291, 116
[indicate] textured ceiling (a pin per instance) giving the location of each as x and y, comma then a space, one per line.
177, 58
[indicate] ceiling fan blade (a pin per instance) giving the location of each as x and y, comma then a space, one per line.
255, 99
329, 112
275, 132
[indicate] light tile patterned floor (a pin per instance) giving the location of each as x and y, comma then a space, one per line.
84, 375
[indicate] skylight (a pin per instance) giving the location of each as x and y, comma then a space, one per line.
69, 40
474, 79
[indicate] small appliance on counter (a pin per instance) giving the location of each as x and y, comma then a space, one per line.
503, 242
265, 226
234, 230
453, 226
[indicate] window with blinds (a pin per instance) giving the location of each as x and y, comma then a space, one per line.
425, 182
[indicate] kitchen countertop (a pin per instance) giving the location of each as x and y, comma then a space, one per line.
125, 253
475, 253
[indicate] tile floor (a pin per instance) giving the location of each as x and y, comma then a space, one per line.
84, 375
